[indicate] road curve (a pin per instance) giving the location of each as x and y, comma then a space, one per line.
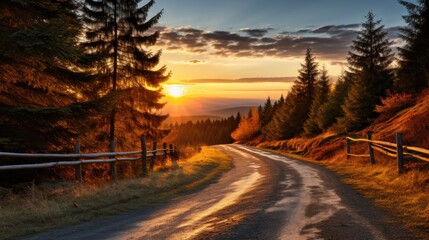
265, 196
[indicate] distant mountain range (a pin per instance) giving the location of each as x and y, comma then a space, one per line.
189, 106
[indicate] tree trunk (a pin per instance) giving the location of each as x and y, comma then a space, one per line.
115, 70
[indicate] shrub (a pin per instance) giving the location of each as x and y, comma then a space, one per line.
395, 103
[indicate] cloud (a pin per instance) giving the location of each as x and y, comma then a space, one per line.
330, 42
196, 61
336, 29
393, 32
328, 29
339, 63
190, 30
190, 62
242, 80
256, 32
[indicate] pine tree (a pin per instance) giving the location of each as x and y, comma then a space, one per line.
118, 32
278, 103
331, 110
306, 83
289, 119
45, 89
277, 128
413, 74
267, 113
311, 126
357, 109
38, 50
237, 118
369, 64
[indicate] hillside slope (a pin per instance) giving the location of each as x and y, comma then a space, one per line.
412, 122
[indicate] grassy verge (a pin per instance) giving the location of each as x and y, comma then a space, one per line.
405, 196
43, 208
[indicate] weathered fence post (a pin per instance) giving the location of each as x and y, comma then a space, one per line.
78, 168
176, 153
113, 164
152, 161
164, 158
371, 151
173, 156
171, 152
348, 148
164, 146
400, 150
144, 156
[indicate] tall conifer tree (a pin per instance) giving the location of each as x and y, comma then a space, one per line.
311, 126
370, 71
266, 112
288, 121
331, 110
44, 85
118, 31
38, 52
413, 74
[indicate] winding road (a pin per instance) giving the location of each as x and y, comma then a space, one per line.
265, 196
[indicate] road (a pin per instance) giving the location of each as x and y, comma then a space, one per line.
265, 196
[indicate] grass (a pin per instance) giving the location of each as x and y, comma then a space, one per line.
406, 196
44, 207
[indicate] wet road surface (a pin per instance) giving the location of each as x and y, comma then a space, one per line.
265, 196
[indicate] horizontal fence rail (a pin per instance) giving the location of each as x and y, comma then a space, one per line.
396, 150
78, 159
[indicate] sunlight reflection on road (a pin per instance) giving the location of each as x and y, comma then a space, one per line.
189, 217
239, 188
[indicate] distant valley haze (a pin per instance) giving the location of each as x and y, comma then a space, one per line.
221, 107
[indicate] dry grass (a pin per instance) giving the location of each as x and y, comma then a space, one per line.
405, 195
413, 122
43, 207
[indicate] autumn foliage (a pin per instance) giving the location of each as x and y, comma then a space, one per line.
248, 128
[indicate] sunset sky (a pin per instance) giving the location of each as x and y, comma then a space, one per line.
259, 44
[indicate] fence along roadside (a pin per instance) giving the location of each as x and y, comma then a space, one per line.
78, 158
397, 150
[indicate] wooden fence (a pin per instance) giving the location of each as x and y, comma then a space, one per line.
397, 150
77, 159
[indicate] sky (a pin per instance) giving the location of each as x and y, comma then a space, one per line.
207, 42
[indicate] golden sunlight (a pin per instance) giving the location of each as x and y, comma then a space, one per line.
175, 90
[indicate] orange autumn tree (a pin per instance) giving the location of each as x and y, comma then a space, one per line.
248, 128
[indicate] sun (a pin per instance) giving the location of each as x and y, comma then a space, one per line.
175, 90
